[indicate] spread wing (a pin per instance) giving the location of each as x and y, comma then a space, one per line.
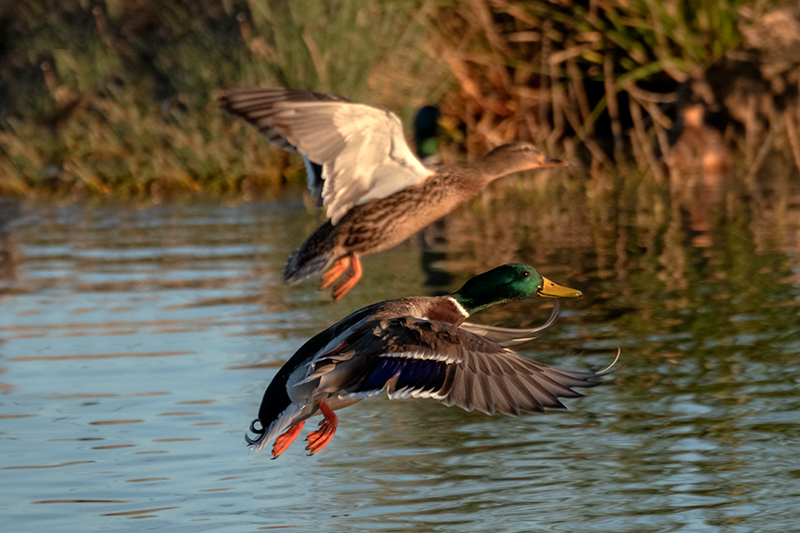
506, 337
361, 149
418, 358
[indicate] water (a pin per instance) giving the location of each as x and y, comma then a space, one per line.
136, 342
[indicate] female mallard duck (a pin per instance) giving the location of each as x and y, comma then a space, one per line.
376, 191
415, 347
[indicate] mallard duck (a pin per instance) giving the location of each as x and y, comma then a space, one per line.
416, 347
377, 193
427, 126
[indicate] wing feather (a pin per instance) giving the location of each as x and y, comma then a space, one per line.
511, 336
362, 149
456, 367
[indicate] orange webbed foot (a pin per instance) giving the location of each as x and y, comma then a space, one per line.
283, 441
338, 268
352, 278
321, 437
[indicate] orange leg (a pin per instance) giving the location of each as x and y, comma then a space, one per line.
338, 268
351, 279
319, 438
283, 441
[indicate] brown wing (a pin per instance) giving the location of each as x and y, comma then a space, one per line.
419, 358
361, 148
259, 107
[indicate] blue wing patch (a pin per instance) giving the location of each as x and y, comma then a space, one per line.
413, 374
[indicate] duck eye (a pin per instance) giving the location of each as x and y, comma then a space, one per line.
526, 274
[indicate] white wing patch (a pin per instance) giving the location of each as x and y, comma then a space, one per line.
358, 395
375, 162
362, 150
423, 355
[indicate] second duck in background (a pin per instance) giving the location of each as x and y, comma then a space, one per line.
377, 193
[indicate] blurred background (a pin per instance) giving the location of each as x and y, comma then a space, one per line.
118, 97
143, 233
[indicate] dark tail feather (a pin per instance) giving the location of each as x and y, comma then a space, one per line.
312, 257
258, 441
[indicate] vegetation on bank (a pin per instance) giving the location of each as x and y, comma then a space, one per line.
609, 81
118, 98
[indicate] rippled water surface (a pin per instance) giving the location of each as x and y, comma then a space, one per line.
136, 342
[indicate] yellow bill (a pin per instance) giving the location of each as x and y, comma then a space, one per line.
553, 290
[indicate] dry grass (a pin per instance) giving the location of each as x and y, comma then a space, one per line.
606, 82
118, 98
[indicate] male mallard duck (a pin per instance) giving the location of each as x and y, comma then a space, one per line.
415, 347
427, 126
376, 191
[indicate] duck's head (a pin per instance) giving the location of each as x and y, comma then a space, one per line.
505, 283
514, 157
426, 132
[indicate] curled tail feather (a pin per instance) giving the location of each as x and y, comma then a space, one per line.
268, 432
258, 441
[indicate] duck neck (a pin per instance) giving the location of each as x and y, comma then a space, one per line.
475, 301
446, 309
495, 164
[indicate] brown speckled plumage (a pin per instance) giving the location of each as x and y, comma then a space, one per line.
383, 223
377, 193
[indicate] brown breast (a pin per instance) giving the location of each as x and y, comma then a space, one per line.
384, 223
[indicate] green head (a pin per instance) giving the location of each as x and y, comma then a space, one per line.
426, 131
506, 283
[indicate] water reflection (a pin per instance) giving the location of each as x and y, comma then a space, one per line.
135, 344
9, 255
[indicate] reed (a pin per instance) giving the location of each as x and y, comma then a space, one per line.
606, 81
117, 98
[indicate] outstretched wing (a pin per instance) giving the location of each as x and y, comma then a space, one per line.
413, 357
361, 148
506, 337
